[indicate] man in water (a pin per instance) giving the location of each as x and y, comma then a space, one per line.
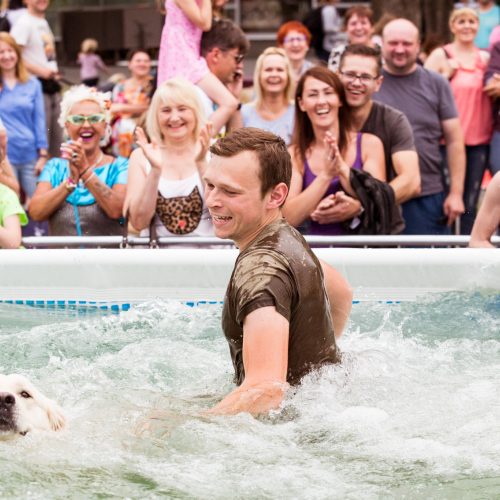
276, 315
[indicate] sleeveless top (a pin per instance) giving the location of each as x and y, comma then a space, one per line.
180, 47
180, 208
474, 106
336, 228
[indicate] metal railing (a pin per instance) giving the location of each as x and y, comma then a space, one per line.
203, 242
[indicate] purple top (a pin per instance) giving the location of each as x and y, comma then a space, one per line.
90, 66
335, 228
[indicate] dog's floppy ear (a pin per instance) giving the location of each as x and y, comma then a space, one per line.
56, 416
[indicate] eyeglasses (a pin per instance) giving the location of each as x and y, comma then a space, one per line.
81, 119
239, 58
291, 39
364, 78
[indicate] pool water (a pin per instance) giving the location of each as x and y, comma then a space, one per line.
413, 412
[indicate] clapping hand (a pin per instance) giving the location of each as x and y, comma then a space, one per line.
336, 208
204, 142
151, 150
333, 160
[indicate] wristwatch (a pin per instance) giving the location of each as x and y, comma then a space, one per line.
70, 185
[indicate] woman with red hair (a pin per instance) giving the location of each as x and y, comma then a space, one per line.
295, 38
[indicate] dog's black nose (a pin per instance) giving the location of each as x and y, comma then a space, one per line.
7, 399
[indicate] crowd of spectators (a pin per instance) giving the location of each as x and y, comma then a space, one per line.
380, 143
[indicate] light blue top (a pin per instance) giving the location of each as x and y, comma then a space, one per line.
23, 115
487, 21
283, 126
56, 171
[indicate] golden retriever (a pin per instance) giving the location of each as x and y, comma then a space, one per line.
23, 408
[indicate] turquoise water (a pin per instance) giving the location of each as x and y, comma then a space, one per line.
413, 412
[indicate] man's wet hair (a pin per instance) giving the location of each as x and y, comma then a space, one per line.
224, 35
274, 160
358, 49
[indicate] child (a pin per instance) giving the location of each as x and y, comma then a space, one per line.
90, 63
180, 55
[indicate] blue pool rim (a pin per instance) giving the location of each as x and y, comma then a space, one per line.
121, 306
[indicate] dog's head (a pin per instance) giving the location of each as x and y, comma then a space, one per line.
24, 408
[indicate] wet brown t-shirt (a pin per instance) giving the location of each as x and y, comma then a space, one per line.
279, 269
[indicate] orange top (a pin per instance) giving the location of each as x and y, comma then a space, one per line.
474, 106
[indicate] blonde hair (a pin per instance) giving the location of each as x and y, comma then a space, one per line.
463, 11
180, 91
80, 93
21, 72
89, 45
270, 51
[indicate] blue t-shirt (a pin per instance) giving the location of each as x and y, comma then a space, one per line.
283, 126
23, 115
487, 21
56, 171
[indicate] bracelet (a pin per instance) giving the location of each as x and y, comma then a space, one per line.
85, 171
88, 178
70, 185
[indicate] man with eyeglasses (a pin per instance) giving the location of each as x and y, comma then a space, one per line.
359, 70
425, 98
224, 47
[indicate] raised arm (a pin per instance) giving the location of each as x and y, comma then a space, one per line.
199, 15
265, 358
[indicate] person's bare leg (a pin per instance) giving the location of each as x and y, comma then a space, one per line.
340, 297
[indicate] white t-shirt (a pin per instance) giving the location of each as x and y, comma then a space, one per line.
36, 37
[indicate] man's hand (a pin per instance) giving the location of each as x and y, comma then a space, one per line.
40, 163
336, 208
236, 86
492, 88
453, 207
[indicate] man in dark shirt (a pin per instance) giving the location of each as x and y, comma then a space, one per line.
276, 315
425, 98
360, 72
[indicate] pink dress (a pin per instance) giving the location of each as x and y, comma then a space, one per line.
180, 47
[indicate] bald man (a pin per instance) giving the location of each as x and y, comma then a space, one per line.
426, 99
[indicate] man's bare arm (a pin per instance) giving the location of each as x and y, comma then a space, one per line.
406, 184
340, 297
488, 218
265, 358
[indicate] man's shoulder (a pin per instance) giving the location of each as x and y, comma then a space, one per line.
278, 242
383, 112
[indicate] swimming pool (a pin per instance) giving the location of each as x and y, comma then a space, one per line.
413, 412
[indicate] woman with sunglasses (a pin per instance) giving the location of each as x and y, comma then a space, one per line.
82, 192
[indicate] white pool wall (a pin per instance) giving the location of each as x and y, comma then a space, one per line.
137, 275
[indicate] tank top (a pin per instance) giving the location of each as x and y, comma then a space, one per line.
337, 227
474, 106
180, 208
